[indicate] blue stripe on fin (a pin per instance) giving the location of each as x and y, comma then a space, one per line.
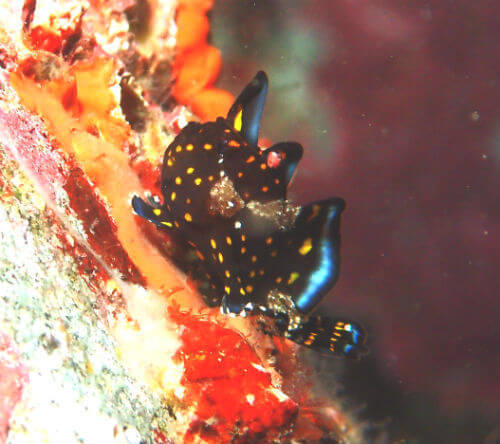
321, 222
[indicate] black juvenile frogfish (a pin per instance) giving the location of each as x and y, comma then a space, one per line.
254, 252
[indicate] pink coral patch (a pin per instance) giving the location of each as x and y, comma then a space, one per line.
13, 377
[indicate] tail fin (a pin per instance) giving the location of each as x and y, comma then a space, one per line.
340, 337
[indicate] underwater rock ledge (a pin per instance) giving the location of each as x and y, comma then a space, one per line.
102, 339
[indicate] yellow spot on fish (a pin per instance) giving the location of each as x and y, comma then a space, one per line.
176, 224
190, 170
178, 148
240, 175
157, 211
250, 159
228, 274
228, 240
234, 144
197, 181
168, 224
263, 166
238, 120
254, 259
221, 258
249, 288
265, 189
306, 247
278, 280
227, 289
277, 181
213, 243
210, 178
188, 200
252, 273
188, 217
293, 277
200, 255
207, 146
242, 292
189, 147
269, 240
173, 195
243, 250
243, 238
170, 162
310, 339
261, 272
178, 180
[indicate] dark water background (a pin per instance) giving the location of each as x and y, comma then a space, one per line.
397, 106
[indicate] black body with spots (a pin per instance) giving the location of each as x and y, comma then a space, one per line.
255, 253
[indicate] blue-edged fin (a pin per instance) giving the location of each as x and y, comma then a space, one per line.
311, 261
338, 336
287, 155
155, 215
246, 112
